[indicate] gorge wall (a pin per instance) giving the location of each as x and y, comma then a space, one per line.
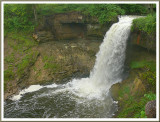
69, 26
75, 25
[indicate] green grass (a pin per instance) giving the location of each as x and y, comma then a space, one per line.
49, 63
10, 58
27, 61
125, 90
20, 41
9, 74
142, 64
136, 108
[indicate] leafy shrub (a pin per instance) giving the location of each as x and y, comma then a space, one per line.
104, 12
134, 8
146, 24
18, 17
136, 108
147, 97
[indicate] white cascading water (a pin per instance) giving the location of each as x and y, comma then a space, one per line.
85, 97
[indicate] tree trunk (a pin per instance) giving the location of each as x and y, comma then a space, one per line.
35, 13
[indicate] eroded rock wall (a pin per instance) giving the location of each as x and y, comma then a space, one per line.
143, 39
69, 26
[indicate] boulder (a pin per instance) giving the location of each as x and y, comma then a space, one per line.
150, 109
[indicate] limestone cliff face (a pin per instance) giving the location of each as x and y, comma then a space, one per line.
69, 26
143, 39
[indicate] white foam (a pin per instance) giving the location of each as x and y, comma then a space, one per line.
51, 86
32, 88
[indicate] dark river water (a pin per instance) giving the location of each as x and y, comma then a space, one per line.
57, 102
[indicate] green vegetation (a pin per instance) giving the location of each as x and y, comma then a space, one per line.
8, 74
24, 17
135, 107
149, 72
133, 103
146, 24
142, 64
20, 58
22, 42
49, 63
27, 61
10, 59
104, 12
137, 9
18, 17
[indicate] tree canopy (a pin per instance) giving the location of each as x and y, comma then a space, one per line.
24, 16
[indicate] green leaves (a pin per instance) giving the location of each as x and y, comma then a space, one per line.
133, 9
150, 96
106, 12
18, 17
146, 24
143, 114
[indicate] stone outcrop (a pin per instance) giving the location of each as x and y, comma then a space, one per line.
143, 39
150, 109
43, 36
69, 26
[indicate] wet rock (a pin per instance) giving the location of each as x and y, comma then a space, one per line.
115, 90
150, 109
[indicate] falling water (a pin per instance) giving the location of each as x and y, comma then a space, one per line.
85, 97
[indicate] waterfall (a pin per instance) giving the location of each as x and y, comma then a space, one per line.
85, 97
109, 63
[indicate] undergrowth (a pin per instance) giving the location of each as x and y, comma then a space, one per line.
21, 56
134, 106
146, 24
